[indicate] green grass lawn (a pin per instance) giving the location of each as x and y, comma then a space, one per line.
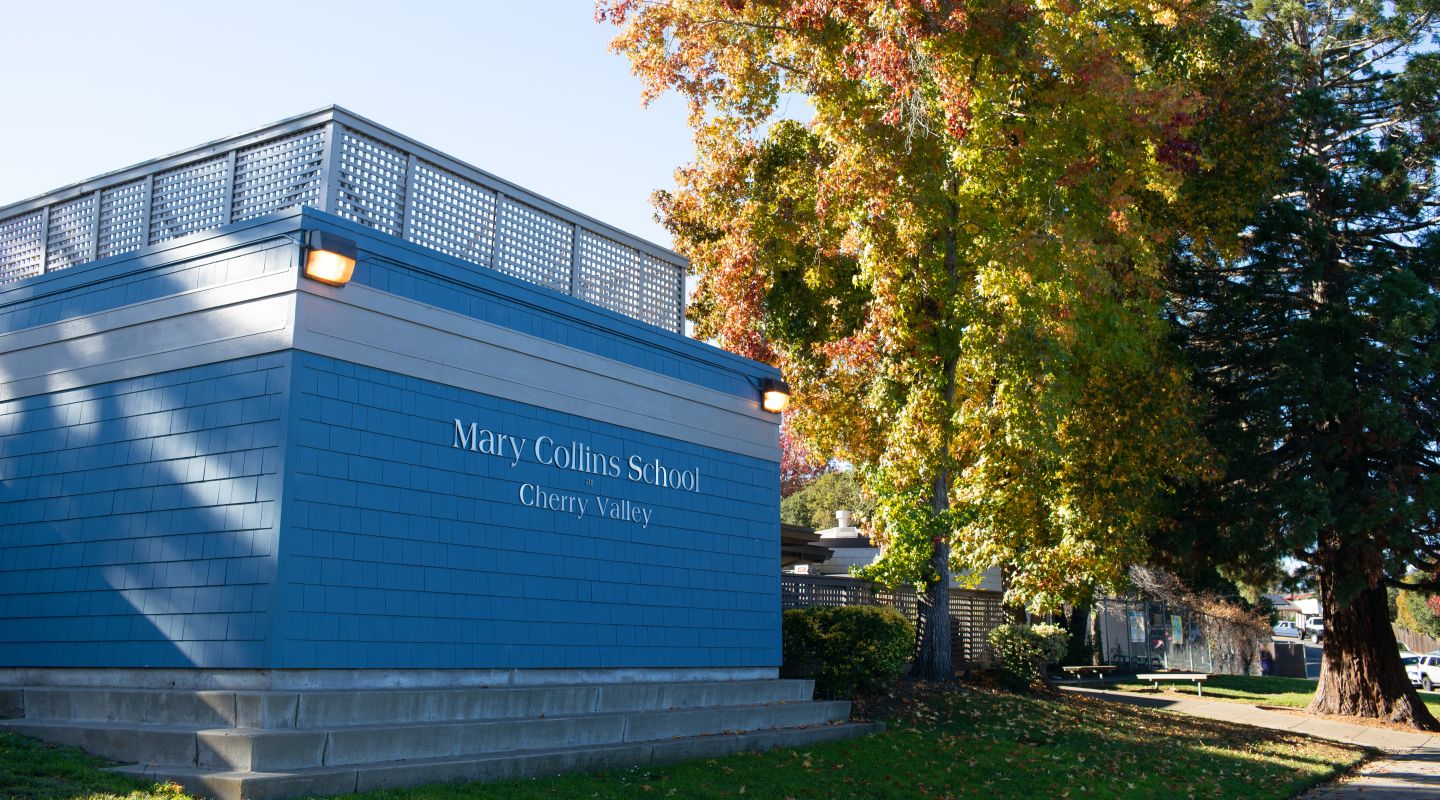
1260, 690
36, 771
971, 744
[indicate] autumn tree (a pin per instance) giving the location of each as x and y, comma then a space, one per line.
816, 504
799, 465
957, 262
1317, 347
1417, 611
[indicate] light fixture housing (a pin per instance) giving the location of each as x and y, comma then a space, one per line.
774, 394
329, 258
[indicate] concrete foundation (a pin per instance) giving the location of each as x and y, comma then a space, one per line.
238, 744
261, 680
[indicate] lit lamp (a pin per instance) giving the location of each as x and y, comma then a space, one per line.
329, 258
775, 394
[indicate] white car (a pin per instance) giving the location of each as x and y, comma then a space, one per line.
1424, 671
1315, 627
1287, 628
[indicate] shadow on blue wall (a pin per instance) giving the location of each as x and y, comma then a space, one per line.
137, 519
92, 289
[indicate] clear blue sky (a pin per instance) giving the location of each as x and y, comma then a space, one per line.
525, 89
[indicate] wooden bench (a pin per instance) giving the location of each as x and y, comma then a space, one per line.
1198, 678
1098, 670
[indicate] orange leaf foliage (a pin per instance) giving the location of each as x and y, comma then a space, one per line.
957, 261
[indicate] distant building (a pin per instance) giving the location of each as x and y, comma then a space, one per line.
799, 548
1282, 605
1306, 605
850, 547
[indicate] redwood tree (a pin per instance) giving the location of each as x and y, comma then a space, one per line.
1318, 345
958, 262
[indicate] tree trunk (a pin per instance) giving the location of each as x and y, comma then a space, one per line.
1097, 644
935, 661
1361, 674
1078, 625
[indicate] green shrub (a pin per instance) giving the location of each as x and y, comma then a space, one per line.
846, 648
1023, 651
1057, 641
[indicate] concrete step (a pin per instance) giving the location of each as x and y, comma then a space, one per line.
146, 744
328, 709
153, 706
439, 740
12, 702
247, 785
269, 750
325, 709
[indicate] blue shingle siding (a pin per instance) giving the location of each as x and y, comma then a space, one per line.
138, 527
473, 291
401, 550
138, 519
290, 510
138, 284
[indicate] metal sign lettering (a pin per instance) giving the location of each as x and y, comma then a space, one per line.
579, 457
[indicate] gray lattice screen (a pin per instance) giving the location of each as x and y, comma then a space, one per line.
124, 218
360, 172
21, 250
451, 214
278, 174
188, 199
626, 280
535, 246
371, 184
71, 233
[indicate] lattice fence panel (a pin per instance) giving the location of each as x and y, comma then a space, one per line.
806, 591
611, 275
660, 294
72, 227
20, 240
623, 279
392, 189
972, 616
535, 246
188, 199
371, 185
277, 174
451, 214
900, 599
122, 219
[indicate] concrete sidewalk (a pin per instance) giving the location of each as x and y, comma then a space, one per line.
1410, 769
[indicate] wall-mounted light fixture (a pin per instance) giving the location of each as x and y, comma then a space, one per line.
329, 258
774, 394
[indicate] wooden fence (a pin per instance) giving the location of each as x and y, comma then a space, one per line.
972, 614
1417, 642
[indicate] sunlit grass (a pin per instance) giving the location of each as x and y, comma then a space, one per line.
37, 771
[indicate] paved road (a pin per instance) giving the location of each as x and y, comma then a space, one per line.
1312, 660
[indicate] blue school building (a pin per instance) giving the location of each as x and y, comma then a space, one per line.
318, 397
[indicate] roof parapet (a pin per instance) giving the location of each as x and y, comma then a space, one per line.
343, 164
